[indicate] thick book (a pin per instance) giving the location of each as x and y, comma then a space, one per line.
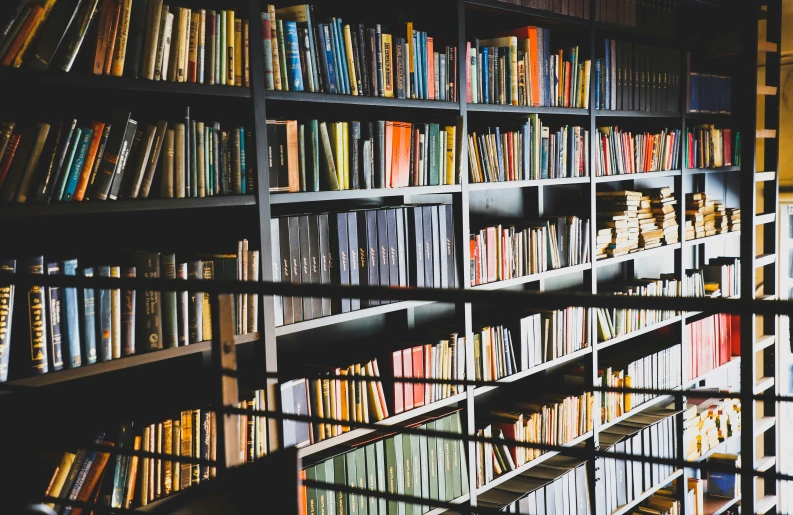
6, 317
111, 159
37, 318
103, 318
340, 270
54, 317
148, 267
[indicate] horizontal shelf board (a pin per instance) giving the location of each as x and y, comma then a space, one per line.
734, 361
498, 185
764, 176
767, 46
499, 108
534, 370
723, 169
764, 341
621, 113
717, 505
763, 424
766, 90
765, 463
59, 80
764, 260
765, 504
720, 448
647, 493
761, 384
709, 239
539, 13
324, 196
346, 317
123, 206
327, 98
402, 418
763, 219
639, 332
692, 314
497, 285
641, 254
503, 478
114, 365
638, 409
460, 500
637, 176
765, 133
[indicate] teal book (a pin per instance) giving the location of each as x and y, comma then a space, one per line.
170, 332
382, 479
294, 69
301, 151
89, 320
125, 439
60, 188
313, 151
77, 166
461, 466
103, 329
243, 169
434, 157
371, 477
79, 465
70, 324
193, 159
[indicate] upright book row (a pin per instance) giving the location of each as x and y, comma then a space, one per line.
72, 327
303, 55
615, 322
138, 39
402, 246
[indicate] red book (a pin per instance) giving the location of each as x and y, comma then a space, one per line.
407, 372
727, 144
396, 150
399, 391
430, 68
468, 71
8, 156
510, 160
418, 372
735, 334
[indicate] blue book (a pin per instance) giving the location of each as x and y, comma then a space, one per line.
334, 49
342, 49
485, 76
54, 319
597, 83
426, 61
294, 70
70, 324
242, 162
103, 330
416, 66
77, 166
693, 85
500, 154
545, 144
442, 80
321, 58
82, 474
607, 82
125, 441
67, 166
89, 320
329, 62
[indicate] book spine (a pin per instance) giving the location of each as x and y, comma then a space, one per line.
115, 315
42, 130
232, 66
195, 304
294, 69
128, 316
182, 306
89, 320
76, 33
103, 320
52, 34
54, 312
267, 42
379, 60
37, 318
77, 164
148, 266
169, 317
6, 317
120, 51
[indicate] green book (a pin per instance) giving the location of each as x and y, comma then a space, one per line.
193, 159
301, 150
433, 462
314, 150
440, 455
400, 473
371, 477
461, 469
360, 472
424, 469
382, 478
352, 482
415, 469
330, 495
321, 493
170, 332
448, 444
311, 493
392, 471
340, 478
407, 472
434, 168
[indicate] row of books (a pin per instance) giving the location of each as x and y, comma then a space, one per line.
657, 17
501, 253
303, 55
71, 327
400, 246
710, 147
720, 277
146, 39
712, 342
552, 334
528, 153
649, 434
521, 69
560, 484
118, 159
413, 465
660, 370
636, 77
330, 156
708, 93
548, 420
624, 152
707, 422
615, 322
708, 217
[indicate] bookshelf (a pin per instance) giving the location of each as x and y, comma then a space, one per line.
526, 199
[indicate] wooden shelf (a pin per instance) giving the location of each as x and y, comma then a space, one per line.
723, 169
717, 505
766, 90
350, 100
637, 176
767, 46
11, 211
498, 108
710, 239
636, 255
538, 13
346, 317
633, 334
331, 196
529, 183
534, 370
648, 493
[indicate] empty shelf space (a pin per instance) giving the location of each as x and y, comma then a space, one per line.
762, 384
766, 90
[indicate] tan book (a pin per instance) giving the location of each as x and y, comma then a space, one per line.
179, 161
622, 193
201, 61
109, 10
122, 37
132, 474
246, 53
163, 44
150, 44
185, 36
167, 465
276, 55
112, 36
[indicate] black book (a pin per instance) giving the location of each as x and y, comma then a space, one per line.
356, 59
148, 266
282, 156
272, 155
54, 317
315, 262
37, 318
618, 68
52, 33
304, 266
285, 268
401, 234
137, 35
415, 236
53, 173
16, 170
429, 274
49, 156
195, 315
132, 139
382, 250
362, 252
354, 260
379, 153
627, 75
128, 315
275, 243
364, 68
355, 159
182, 308
441, 246
100, 188
339, 266
449, 247
324, 259
103, 319
636, 83
293, 232
372, 253
393, 247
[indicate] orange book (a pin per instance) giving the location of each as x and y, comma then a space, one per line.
34, 32
430, 69
394, 147
568, 83
404, 155
92, 479
112, 36
293, 165
389, 138
103, 35
31, 22
96, 136
302, 505
530, 33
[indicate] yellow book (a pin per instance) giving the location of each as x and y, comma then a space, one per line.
411, 51
181, 45
338, 152
350, 61
276, 55
345, 142
388, 66
238, 52
344, 400
122, 36
374, 397
451, 154
628, 396
59, 477
231, 51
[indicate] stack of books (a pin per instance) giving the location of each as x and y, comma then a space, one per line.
350, 59
663, 209
622, 152
712, 342
528, 153
509, 70
118, 158
549, 420
501, 253
705, 216
328, 156
417, 244
138, 39
711, 147
709, 422
412, 465
617, 217
71, 327
733, 219
615, 322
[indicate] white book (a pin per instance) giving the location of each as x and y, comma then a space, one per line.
163, 44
